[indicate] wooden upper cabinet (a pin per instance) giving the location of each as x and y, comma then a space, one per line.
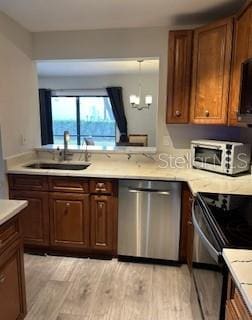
211, 72
242, 51
179, 76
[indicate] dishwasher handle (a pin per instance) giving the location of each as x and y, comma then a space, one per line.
157, 191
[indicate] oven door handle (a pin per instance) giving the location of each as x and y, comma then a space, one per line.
211, 249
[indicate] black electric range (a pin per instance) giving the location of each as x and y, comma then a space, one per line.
230, 217
219, 221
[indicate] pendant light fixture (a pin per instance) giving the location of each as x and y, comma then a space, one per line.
135, 100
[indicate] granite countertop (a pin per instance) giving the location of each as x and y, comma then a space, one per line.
9, 208
198, 180
239, 263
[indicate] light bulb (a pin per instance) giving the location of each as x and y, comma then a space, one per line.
133, 99
148, 100
137, 100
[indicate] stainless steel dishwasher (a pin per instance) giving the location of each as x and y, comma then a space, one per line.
149, 219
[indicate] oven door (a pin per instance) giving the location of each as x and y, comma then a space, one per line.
207, 270
208, 157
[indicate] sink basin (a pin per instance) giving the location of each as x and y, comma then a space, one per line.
58, 166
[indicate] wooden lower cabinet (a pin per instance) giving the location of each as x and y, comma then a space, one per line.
102, 222
186, 234
236, 308
69, 220
35, 217
71, 215
12, 283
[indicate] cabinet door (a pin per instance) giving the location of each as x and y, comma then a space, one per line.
211, 73
242, 51
69, 217
12, 293
103, 222
186, 216
179, 76
35, 217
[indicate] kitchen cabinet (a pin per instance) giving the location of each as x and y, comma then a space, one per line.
12, 284
179, 76
102, 222
72, 215
236, 308
242, 51
35, 217
69, 217
186, 234
211, 72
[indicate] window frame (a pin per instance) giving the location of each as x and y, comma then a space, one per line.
78, 126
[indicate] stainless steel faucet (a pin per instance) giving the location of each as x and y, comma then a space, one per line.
87, 155
66, 154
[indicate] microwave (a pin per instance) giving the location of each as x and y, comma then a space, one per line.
230, 158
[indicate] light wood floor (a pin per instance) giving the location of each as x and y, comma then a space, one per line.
60, 288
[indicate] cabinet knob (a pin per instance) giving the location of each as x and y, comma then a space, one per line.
207, 113
68, 204
177, 113
2, 278
100, 186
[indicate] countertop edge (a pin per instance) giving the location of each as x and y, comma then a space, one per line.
20, 205
247, 300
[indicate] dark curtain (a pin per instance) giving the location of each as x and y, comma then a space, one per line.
45, 116
116, 100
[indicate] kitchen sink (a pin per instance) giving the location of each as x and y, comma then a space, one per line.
58, 166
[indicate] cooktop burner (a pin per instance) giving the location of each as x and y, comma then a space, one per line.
230, 217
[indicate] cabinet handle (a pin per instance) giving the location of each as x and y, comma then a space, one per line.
100, 187
177, 113
2, 278
207, 113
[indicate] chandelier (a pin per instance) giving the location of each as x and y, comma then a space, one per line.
135, 100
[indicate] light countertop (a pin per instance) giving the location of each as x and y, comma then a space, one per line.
9, 208
198, 180
239, 263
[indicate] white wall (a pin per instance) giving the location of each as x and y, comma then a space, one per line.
129, 43
143, 122
18, 89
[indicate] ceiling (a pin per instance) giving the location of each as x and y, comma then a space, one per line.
78, 68
50, 15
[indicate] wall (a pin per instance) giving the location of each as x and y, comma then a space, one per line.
129, 43
18, 89
143, 122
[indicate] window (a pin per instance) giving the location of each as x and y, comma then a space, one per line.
83, 117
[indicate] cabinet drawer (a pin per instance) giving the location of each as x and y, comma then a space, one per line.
9, 232
101, 186
68, 184
28, 182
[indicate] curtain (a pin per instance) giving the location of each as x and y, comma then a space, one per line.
116, 99
45, 116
